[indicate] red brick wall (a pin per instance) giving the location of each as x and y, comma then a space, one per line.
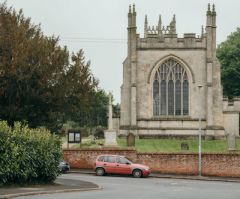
221, 165
226, 165
170, 163
85, 158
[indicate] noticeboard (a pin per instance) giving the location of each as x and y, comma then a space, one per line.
74, 136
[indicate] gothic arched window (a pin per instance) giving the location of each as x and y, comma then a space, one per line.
170, 90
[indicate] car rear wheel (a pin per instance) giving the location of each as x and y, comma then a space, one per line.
137, 173
100, 171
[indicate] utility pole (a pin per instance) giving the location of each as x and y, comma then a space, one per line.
199, 135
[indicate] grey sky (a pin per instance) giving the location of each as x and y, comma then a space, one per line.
99, 26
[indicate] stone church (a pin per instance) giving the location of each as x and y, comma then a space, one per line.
172, 85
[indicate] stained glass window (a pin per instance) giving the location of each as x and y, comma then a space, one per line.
170, 97
178, 100
156, 97
185, 97
170, 90
163, 98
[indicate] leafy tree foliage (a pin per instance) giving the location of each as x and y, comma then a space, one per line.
228, 53
116, 110
93, 108
40, 82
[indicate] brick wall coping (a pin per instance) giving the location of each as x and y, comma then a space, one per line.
153, 153
184, 153
102, 149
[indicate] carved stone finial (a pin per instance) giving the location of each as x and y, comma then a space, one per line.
209, 10
174, 18
209, 7
213, 10
133, 8
130, 9
202, 32
172, 25
160, 22
160, 25
213, 7
145, 26
146, 21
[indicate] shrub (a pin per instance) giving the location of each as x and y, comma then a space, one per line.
28, 156
99, 134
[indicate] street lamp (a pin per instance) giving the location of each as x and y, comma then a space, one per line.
199, 135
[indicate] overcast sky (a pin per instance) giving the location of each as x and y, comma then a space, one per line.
99, 26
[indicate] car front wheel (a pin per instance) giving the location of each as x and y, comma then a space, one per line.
137, 173
100, 171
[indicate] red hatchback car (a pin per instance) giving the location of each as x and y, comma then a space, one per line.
116, 164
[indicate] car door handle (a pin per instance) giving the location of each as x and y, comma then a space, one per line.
104, 164
117, 165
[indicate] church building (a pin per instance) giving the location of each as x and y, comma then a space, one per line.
172, 85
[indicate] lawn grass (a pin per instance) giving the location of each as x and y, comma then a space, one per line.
163, 145
174, 145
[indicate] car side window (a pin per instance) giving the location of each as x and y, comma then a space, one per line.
110, 159
118, 159
101, 159
122, 160
105, 158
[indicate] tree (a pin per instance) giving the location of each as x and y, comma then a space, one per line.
116, 110
40, 83
31, 66
228, 53
87, 103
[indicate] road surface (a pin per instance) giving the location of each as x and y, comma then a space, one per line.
118, 187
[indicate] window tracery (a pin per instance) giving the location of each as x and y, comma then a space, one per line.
170, 90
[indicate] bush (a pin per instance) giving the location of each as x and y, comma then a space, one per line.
28, 156
99, 134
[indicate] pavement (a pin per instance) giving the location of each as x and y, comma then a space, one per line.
60, 185
68, 185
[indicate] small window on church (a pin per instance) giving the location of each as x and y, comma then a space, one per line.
170, 90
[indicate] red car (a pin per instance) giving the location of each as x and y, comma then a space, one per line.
116, 164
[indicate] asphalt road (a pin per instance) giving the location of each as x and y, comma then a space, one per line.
115, 187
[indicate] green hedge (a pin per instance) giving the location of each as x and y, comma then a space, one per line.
28, 155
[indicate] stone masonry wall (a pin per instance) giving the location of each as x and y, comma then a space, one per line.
224, 165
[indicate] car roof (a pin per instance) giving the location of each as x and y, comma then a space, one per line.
110, 155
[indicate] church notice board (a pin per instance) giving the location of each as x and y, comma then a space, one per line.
74, 136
